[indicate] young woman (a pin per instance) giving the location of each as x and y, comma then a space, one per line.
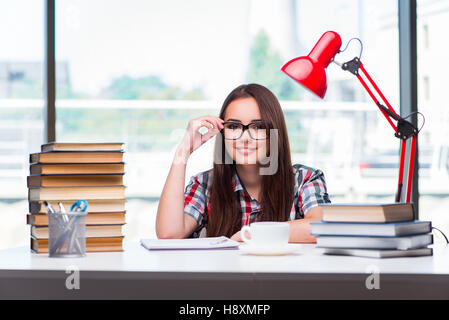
252, 178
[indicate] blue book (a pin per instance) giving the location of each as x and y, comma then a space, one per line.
390, 229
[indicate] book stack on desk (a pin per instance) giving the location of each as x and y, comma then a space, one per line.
372, 230
67, 172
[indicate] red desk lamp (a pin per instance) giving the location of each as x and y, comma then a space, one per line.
310, 72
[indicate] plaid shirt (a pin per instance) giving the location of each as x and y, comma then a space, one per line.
309, 191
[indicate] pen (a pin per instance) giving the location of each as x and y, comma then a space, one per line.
49, 207
80, 205
66, 235
69, 225
62, 210
52, 211
218, 241
61, 207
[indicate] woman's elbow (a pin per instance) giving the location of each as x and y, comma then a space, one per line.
168, 235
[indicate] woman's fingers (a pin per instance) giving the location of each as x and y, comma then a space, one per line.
209, 134
195, 137
218, 121
215, 121
202, 123
208, 122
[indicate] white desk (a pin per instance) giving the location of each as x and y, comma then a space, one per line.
138, 273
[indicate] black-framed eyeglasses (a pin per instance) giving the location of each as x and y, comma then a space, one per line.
234, 130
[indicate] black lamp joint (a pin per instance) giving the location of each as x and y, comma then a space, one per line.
352, 66
405, 130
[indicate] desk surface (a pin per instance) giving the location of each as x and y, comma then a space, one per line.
307, 259
182, 269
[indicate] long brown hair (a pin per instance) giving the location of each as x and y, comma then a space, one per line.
225, 216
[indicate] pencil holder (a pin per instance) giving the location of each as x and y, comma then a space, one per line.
67, 234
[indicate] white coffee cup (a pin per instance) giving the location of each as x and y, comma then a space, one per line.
266, 234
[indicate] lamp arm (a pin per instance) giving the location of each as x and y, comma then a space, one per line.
404, 129
378, 104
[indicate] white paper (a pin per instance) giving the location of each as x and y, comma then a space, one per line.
194, 243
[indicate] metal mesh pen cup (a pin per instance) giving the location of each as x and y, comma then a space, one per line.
67, 234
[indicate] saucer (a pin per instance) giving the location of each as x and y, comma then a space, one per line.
267, 250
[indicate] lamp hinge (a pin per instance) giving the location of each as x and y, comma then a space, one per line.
352, 66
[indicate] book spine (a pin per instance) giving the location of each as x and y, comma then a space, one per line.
35, 169
34, 157
32, 182
35, 207
31, 219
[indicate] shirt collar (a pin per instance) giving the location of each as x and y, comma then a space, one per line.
236, 184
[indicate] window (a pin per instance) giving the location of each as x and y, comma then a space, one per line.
21, 108
426, 87
426, 35
433, 156
138, 74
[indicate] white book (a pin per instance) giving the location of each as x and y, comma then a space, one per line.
190, 243
374, 253
401, 243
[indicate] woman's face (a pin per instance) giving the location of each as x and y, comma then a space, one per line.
244, 150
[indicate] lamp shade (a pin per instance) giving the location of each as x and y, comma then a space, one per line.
310, 70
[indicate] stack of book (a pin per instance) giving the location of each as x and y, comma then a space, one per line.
67, 172
372, 230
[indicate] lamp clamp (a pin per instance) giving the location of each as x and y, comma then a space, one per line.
405, 129
352, 66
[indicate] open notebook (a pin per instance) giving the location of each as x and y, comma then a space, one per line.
195, 243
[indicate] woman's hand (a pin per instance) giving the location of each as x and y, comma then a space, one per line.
193, 139
237, 237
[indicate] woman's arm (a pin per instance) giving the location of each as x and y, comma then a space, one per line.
314, 192
171, 222
300, 229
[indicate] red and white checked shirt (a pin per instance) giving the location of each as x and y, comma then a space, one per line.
309, 191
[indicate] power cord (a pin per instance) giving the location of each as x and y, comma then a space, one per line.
361, 47
340, 51
447, 241
423, 118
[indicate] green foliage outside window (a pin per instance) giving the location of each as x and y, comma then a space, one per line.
147, 88
265, 69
